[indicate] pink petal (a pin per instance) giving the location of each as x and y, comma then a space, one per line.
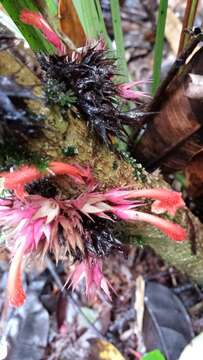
90, 269
49, 209
174, 231
166, 200
61, 168
125, 91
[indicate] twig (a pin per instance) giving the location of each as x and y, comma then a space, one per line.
57, 280
189, 16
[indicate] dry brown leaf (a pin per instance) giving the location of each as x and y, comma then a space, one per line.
70, 23
173, 30
173, 138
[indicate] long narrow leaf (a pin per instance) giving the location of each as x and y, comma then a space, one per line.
159, 44
32, 35
118, 35
91, 17
102, 23
49, 7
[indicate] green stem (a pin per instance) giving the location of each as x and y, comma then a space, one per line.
118, 35
159, 44
192, 14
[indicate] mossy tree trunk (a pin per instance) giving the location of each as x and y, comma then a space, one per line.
110, 171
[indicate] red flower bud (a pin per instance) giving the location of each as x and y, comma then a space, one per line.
37, 20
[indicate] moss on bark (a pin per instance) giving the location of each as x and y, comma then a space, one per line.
110, 171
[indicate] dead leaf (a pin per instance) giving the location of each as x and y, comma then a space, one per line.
173, 29
166, 324
70, 23
103, 350
172, 137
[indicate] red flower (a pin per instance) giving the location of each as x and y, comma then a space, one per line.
17, 179
16, 294
75, 171
172, 230
121, 203
166, 200
34, 224
36, 19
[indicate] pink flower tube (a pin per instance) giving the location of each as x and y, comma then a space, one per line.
16, 294
36, 19
166, 200
17, 179
174, 231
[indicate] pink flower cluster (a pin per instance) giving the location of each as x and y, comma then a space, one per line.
30, 223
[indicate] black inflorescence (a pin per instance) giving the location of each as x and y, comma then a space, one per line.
86, 80
101, 239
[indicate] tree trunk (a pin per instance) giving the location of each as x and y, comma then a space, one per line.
110, 171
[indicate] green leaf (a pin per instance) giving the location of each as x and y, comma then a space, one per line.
154, 355
118, 36
91, 17
159, 44
52, 6
32, 35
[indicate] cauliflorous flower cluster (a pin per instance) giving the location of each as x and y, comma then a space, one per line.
33, 224
85, 78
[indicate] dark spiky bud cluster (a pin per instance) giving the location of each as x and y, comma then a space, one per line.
44, 187
16, 121
100, 239
86, 80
